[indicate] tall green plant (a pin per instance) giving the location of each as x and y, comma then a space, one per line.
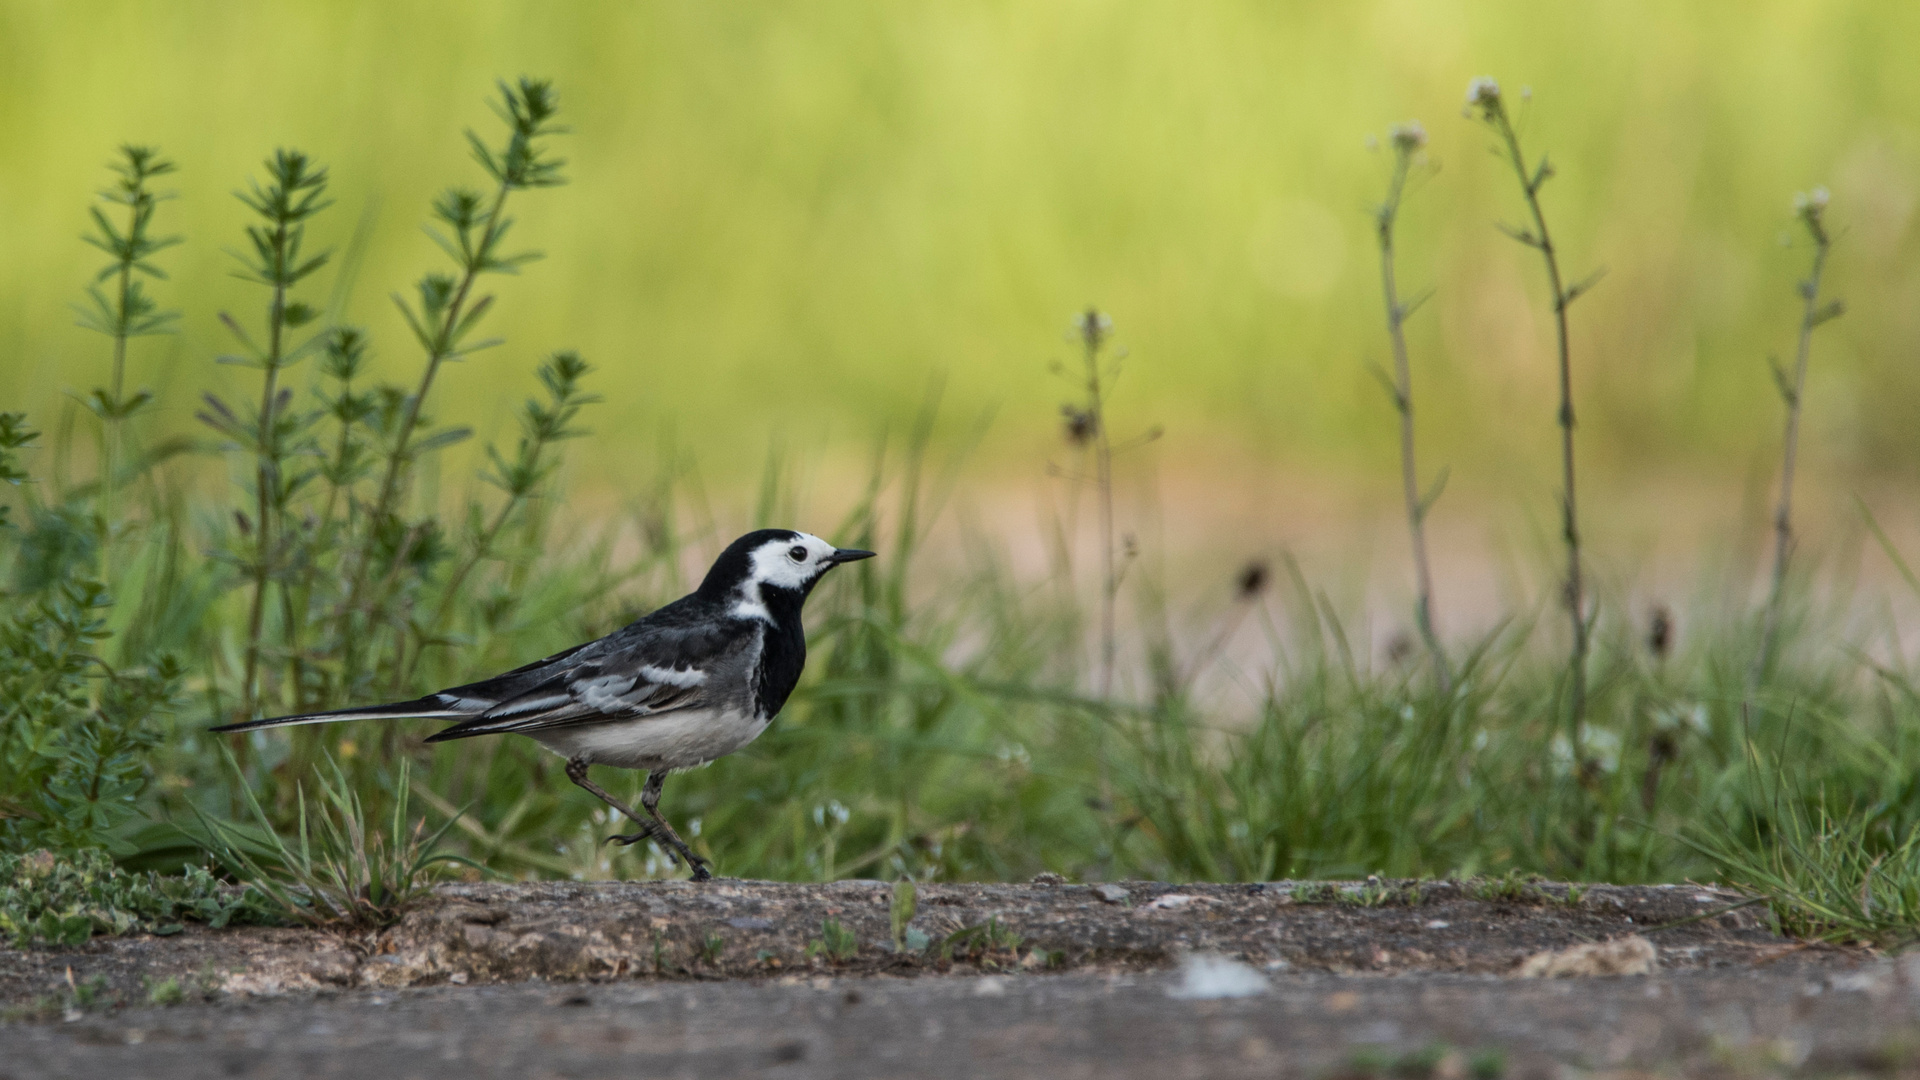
443, 316
294, 191
125, 311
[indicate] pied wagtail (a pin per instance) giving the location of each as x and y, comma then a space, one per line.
689, 683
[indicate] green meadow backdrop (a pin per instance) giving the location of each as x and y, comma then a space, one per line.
784, 226
784, 218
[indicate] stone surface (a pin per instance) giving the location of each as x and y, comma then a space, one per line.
1049, 979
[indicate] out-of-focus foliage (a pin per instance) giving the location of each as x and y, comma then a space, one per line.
786, 215
75, 731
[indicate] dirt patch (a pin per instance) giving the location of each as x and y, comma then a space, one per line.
576, 932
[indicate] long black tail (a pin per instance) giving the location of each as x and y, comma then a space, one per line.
431, 707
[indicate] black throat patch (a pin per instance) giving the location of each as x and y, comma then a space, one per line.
783, 650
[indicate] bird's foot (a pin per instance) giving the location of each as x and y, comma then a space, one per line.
629, 839
677, 851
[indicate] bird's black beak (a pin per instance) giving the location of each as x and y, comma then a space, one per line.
841, 555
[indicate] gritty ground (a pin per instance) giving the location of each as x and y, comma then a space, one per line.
1044, 979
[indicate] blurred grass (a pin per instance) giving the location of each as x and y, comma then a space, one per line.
783, 218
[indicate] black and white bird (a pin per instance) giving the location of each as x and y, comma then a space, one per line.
687, 684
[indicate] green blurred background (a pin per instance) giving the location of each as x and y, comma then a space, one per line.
785, 218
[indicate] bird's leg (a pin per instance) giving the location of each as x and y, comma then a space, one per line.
649, 830
650, 800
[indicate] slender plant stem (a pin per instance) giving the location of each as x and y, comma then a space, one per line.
110, 470
1091, 426
1423, 616
1542, 240
1811, 315
266, 478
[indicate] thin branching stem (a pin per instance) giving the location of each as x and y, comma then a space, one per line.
1486, 97
1103, 489
1407, 141
295, 191
1792, 389
266, 455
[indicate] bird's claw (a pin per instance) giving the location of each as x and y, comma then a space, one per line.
678, 853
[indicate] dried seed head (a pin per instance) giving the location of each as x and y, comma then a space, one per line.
1483, 93
1408, 137
1399, 648
1660, 633
1080, 424
1093, 326
1252, 579
1809, 205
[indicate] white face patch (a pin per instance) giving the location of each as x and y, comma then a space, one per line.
786, 564
790, 564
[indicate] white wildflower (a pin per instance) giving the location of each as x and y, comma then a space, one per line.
1408, 137
1483, 92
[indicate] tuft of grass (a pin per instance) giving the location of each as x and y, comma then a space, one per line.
712, 944
835, 942
989, 944
164, 992
1510, 888
901, 911
1840, 877
335, 869
49, 899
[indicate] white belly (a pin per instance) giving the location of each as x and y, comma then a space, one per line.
674, 740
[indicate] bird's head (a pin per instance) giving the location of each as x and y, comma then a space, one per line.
778, 560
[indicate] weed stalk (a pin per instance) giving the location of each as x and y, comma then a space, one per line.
1810, 208
1484, 96
295, 191
1408, 140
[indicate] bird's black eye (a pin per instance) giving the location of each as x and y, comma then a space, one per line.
797, 553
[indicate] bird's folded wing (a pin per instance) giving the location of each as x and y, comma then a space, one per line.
588, 694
